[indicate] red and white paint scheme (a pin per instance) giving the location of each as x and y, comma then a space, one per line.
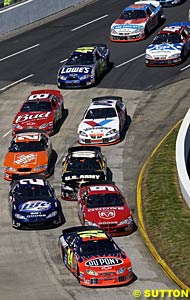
102, 204
43, 109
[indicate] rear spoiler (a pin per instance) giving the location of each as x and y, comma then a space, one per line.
52, 92
97, 182
103, 98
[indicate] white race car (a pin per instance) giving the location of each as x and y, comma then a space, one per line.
103, 122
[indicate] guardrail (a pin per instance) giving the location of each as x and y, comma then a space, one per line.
182, 153
25, 12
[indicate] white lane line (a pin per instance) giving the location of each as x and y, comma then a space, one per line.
21, 51
15, 82
188, 66
128, 61
61, 61
7, 133
95, 20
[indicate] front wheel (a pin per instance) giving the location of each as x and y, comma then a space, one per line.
146, 31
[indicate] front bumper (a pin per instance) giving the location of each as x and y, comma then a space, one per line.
107, 280
127, 37
75, 83
37, 223
98, 140
163, 62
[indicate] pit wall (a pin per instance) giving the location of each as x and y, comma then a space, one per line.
21, 14
182, 153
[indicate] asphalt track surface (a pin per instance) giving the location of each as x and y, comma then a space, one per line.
156, 99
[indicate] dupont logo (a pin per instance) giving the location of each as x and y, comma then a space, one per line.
107, 214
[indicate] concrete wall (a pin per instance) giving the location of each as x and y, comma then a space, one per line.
182, 152
27, 12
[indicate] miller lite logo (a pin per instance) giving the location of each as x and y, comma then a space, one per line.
107, 214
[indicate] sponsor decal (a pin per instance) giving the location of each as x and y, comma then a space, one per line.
28, 117
107, 214
75, 70
75, 177
127, 26
32, 181
24, 159
166, 47
99, 124
108, 261
35, 206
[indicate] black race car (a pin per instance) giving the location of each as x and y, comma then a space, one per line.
85, 65
81, 164
33, 204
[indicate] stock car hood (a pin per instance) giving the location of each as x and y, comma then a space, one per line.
73, 178
164, 49
33, 119
98, 126
107, 215
36, 207
81, 70
103, 262
26, 159
129, 25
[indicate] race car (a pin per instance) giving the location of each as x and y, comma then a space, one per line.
94, 257
81, 164
171, 46
33, 203
29, 153
43, 109
102, 204
136, 21
84, 67
103, 121
169, 3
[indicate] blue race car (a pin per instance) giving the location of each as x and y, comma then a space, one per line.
84, 67
33, 204
171, 46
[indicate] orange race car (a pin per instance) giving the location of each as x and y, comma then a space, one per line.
29, 153
93, 257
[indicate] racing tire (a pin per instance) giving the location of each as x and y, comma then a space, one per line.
146, 32
78, 274
62, 111
159, 18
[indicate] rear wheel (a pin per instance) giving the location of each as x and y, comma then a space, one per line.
146, 31
78, 274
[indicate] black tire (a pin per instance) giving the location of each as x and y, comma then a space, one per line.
62, 111
159, 18
78, 277
146, 31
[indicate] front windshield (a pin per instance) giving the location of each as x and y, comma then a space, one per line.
36, 106
133, 14
167, 38
100, 247
104, 200
27, 147
83, 163
101, 113
80, 59
36, 192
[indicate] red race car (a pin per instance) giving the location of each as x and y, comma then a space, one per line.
102, 204
93, 257
43, 109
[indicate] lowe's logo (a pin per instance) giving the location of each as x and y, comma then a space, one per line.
35, 206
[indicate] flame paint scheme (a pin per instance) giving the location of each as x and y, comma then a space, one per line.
43, 109
29, 153
94, 258
103, 121
81, 164
136, 21
84, 67
102, 204
33, 204
171, 46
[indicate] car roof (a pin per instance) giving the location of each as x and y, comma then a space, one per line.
42, 95
28, 137
175, 27
86, 233
98, 188
85, 49
136, 6
84, 151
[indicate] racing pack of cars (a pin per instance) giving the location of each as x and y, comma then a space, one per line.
88, 251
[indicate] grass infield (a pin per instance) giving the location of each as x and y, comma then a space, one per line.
165, 214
